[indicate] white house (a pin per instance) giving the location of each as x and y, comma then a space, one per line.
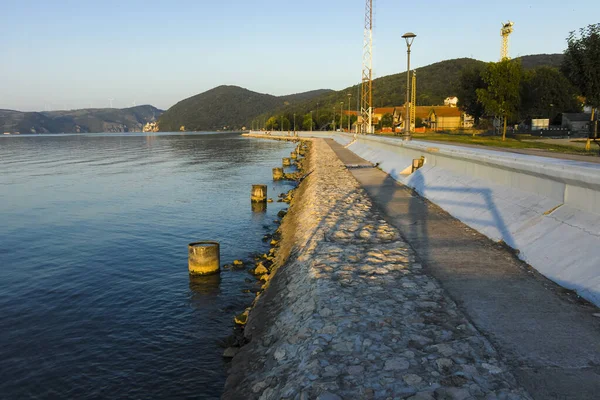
451, 101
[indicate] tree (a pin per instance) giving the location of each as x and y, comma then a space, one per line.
387, 120
545, 92
308, 123
581, 65
502, 95
469, 81
272, 124
285, 123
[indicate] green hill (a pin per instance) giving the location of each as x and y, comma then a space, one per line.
86, 120
225, 107
435, 82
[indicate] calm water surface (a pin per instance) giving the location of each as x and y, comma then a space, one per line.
95, 297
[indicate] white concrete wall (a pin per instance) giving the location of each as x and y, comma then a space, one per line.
548, 209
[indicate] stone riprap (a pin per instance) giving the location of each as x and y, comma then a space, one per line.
351, 314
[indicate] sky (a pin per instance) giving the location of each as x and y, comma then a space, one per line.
68, 54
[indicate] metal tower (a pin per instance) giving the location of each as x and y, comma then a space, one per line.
505, 32
366, 98
413, 101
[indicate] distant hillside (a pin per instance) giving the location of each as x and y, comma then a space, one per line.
435, 82
225, 107
541, 60
79, 121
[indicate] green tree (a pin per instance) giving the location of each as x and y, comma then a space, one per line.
469, 81
502, 95
285, 123
272, 124
545, 92
387, 120
581, 65
308, 123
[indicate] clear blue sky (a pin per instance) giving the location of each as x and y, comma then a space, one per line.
77, 53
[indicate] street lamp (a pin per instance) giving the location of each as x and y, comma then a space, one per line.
349, 95
294, 122
409, 37
333, 120
341, 115
311, 121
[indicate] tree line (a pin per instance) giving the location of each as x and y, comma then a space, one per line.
321, 120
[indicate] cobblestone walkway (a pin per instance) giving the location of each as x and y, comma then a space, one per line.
352, 315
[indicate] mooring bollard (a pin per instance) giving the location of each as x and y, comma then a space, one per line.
204, 258
286, 162
277, 174
259, 193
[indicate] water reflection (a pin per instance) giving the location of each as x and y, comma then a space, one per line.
203, 287
259, 207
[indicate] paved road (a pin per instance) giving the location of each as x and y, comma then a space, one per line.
549, 338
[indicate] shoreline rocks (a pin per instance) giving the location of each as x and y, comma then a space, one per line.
348, 312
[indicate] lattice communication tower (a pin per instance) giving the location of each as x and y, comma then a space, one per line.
366, 97
505, 32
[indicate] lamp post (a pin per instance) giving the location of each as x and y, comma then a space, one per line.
333, 120
281, 127
349, 95
311, 121
294, 123
341, 114
409, 37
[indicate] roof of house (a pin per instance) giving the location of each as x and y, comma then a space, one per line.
384, 110
445, 111
579, 117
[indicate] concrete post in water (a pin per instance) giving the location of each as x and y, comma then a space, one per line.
286, 162
277, 174
204, 258
259, 193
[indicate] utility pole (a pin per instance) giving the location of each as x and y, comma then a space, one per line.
294, 122
281, 127
333, 120
341, 115
349, 95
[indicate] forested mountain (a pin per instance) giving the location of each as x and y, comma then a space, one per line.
435, 82
541, 60
130, 119
226, 107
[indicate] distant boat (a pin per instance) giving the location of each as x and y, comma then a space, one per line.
7, 133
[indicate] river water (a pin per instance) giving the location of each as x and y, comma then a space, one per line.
95, 297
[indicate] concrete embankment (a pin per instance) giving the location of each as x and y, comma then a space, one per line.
350, 313
548, 209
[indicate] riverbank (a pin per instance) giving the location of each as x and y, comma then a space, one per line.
350, 312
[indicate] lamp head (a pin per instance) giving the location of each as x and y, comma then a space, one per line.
409, 37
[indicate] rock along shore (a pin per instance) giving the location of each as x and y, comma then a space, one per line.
351, 314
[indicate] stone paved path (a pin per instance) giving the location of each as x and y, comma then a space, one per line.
353, 315
550, 341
